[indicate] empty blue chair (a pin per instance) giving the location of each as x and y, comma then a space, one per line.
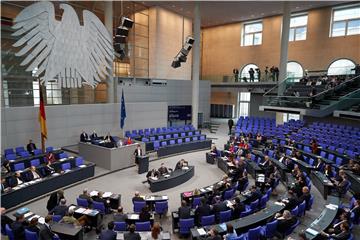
10, 157
35, 162
120, 226
254, 205
19, 167
197, 132
207, 220
152, 139
190, 134
196, 202
268, 231
65, 166
161, 207
37, 152
331, 157
9, 151
323, 154
228, 194
187, 139
164, 144
156, 145
202, 137
339, 161
56, 218
18, 150
143, 226
176, 135
99, 206
82, 202
30, 235
168, 136
311, 161
295, 211
144, 139
24, 154
160, 137
185, 225
180, 141
63, 155
263, 201
138, 206
307, 149
301, 208
172, 142
253, 234
9, 232
49, 149
225, 216
127, 133
79, 161
182, 134
195, 138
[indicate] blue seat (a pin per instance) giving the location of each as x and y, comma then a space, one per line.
295, 211
120, 226
18, 150
168, 136
63, 155
145, 139
263, 201
196, 202
79, 161
9, 151
254, 205
164, 144
339, 161
82, 202
207, 220
228, 194
268, 231
180, 141
161, 207
65, 166
185, 225
331, 157
156, 145
225, 216
301, 208
307, 149
24, 154
56, 218
310, 203
35, 162
10, 157
37, 152
49, 149
99, 206
30, 235
138, 206
9, 232
202, 137
152, 139
172, 142
253, 233
143, 226
160, 137
187, 139
19, 166
190, 134
245, 213
176, 135
197, 132
291, 229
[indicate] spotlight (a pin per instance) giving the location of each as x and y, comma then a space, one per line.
184, 51
122, 31
127, 22
190, 40
120, 39
175, 64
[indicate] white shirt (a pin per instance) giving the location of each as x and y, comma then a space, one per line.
35, 175
139, 152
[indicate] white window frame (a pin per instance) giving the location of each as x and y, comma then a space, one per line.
241, 101
253, 33
346, 21
298, 27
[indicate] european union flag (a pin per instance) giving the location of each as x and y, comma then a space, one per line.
122, 110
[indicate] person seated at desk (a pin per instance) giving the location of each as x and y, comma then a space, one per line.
213, 235
320, 165
5, 167
254, 195
33, 226
99, 198
265, 161
335, 227
356, 169
285, 221
86, 195
213, 149
238, 208
163, 170
119, 216
288, 163
16, 180
305, 196
153, 173
94, 136
61, 209
108, 234
69, 218
137, 197
48, 169
145, 215
84, 137
342, 184
30, 147
33, 174
108, 138
230, 232
180, 164
18, 227
184, 211
314, 146
348, 211
203, 209
155, 233
45, 232
291, 201
218, 207
4, 185
129, 141
343, 235
50, 157
132, 235
5, 219
299, 184
328, 171
299, 156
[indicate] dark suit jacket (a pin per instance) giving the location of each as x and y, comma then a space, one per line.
93, 136
341, 236
214, 238
132, 236
305, 197
238, 209
52, 202
163, 170
118, 217
108, 235
178, 166
59, 210
284, 224
45, 233
13, 181
144, 216
137, 199
254, 196
30, 147
293, 202
33, 229
184, 212
83, 137
150, 174
18, 229
202, 210
136, 152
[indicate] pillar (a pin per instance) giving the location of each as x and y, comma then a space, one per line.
284, 44
196, 65
108, 11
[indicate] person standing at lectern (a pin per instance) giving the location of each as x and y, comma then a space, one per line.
138, 153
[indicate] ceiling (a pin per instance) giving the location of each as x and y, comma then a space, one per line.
223, 12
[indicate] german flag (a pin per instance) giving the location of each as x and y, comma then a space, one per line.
42, 117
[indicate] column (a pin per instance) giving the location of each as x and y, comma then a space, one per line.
284, 45
279, 118
196, 65
108, 11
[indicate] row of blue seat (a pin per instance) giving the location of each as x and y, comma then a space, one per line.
158, 144
20, 151
153, 131
169, 136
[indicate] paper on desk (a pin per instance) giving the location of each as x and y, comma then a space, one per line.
166, 176
332, 206
133, 216
82, 166
35, 216
154, 178
151, 198
201, 231
41, 220
93, 193
312, 231
80, 210
202, 190
107, 194
164, 197
27, 214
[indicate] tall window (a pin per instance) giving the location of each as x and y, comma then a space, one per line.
245, 73
341, 67
244, 104
294, 69
53, 93
346, 21
298, 26
252, 34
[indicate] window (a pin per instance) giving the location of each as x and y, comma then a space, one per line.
244, 104
53, 93
36, 93
288, 116
341, 67
245, 75
346, 21
252, 34
298, 28
294, 70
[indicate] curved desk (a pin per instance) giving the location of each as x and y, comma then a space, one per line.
176, 178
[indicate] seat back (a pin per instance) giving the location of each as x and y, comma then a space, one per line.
9, 232
190, 134
291, 229
19, 166
63, 155
254, 233
24, 154
138, 206
228, 194
20, 149
185, 225
49, 149
99, 206
161, 207
56, 218
9, 151
164, 144
195, 138
10, 156
196, 202
35, 162
270, 229
172, 142
30, 235
152, 139
82, 202
120, 226
246, 212
156, 145
143, 226
254, 205
202, 137
295, 211
179, 141
160, 137
79, 161
207, 220
301, 209
263, 201
65, 166
225, 216
187, 139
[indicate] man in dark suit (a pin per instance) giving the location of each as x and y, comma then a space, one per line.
132, 235
17, 179
86, 195
184, 211
93, 136
255, 194
30, 146
292, 201
33, 174
120, 216
343, 235
219, 206
305, 195
54, 200
238, 208
203, 209
137, 197
61, 209
45, 232
4, 185
163, 170
180, 164
152, 174
299, 156
230, 124
84, 137
285, 221
108, 234
5, 219
18, 228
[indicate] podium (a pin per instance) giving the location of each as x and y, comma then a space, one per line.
143, 162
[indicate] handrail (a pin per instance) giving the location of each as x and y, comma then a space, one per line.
277, 85
341, 84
